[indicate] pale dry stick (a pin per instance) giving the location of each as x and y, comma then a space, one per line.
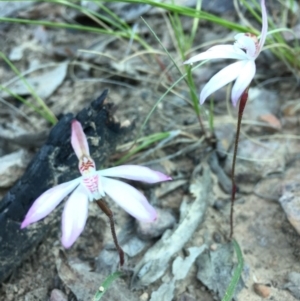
135, 158
187, 100
191, 147
100, 80
279, 79
108, 28
142, 52
27, 72
99, 53
150, 151
112, 73
287, 64
134, 30
296, 108
185, 150
18, 111
284, 137
126, 146
132, 47
221, 120
156, 260
171, 58
161, 144
257, 142
247, 158
241, 16
129, 57
172, 35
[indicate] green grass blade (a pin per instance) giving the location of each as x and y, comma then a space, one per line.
120, 34
237, 273
187, 11
183, 45
46, 112
187, 77
195, 23
21, 99
106, 284
179, 34
92, 13
164, 95
192, 88
144, 142
65, 26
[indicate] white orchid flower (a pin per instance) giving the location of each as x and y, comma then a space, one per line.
246, 49
93, 185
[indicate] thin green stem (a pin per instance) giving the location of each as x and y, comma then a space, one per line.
45, 111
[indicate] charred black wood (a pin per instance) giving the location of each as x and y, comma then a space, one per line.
54, 163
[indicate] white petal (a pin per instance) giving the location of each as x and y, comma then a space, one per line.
243, 81
136, 173
229, 52
130, 199
46, 203
247, 43
219, 52
264, 29
222, 78
74, 216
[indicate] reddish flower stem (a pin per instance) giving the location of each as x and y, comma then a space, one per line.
242, 106
109, 213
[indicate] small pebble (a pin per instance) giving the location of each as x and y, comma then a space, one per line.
57, 295
144, 297
213, 247
262, 290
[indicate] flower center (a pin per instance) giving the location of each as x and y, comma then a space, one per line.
86, 165
90, 179
252, 36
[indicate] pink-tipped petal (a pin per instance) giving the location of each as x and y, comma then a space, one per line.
243, 81
46, 203
247, 43
264, 29
222, 78
219, 52
130, 199
74, 216
136, 173
78, 140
